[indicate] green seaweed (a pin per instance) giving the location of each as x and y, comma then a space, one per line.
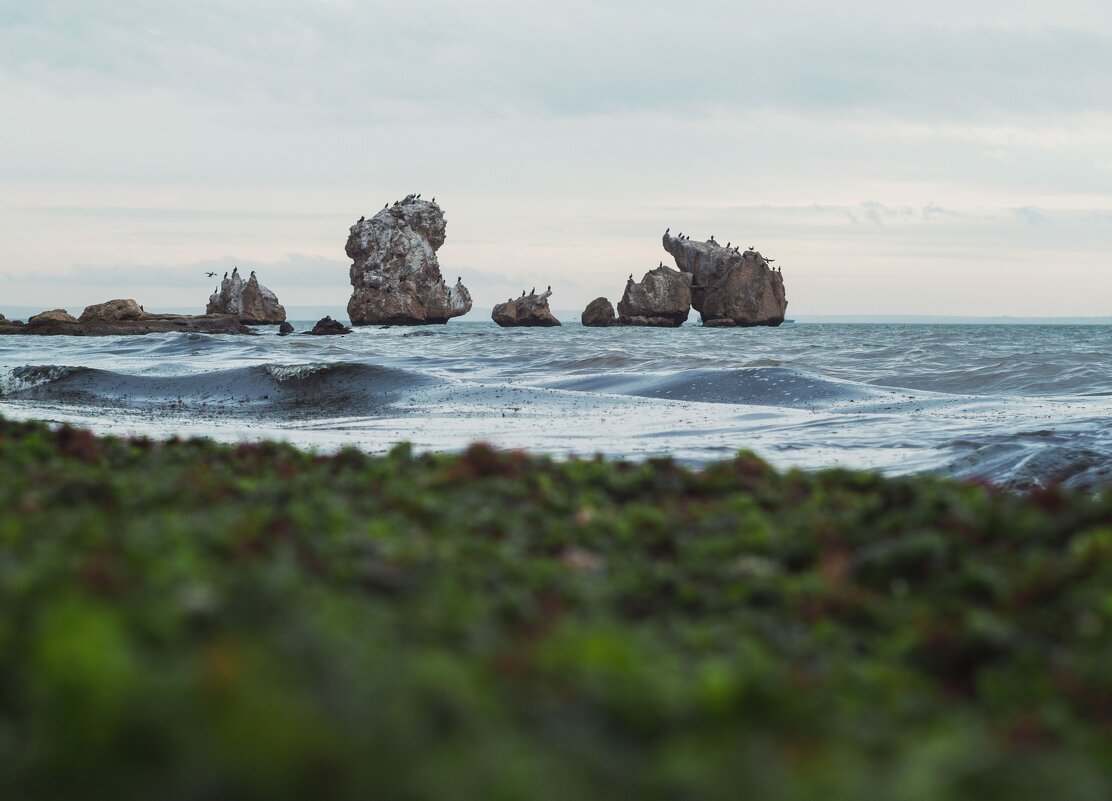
188, 620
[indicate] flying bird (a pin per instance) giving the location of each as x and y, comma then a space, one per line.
211, 275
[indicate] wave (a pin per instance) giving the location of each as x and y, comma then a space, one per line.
760, 386
309, 389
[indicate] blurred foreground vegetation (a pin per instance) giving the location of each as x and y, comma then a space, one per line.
197, 621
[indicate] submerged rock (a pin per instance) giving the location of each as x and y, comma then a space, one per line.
599, 314
248, 301
112, 310
284, 329
528, 310
730, 287
327, 326
52, 316
662, 298
395, 276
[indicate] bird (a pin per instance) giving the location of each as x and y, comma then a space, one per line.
362, 217
211, 274
712, 237
631, 276
666, 230
235, 270
728, 244
752, 248
550, 287
533, 291
418, 195
458, 279
225, 275
660, 265
770, 260
523, 293
252, 273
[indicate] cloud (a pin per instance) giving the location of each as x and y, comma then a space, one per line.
445, 59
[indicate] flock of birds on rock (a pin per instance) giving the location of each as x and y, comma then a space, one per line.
412, 196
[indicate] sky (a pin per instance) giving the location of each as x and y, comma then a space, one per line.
950, 158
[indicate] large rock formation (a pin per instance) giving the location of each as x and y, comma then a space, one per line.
395, 276
730, 287
113, 310
248, 301
599, 314
528, 310
662, 298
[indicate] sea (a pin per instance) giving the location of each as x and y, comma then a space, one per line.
1019, 406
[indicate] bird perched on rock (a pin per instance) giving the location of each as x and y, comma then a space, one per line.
752, 248
549, 288
631, 276
225, 275
386, 206
523, 293
434, 198
211, 274
660, 265
666, 230
728, 244
533, 291
362, 217
458, 279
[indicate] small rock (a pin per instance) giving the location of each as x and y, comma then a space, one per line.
599, 314
112, 310
327, 325
284, 329
662, 298
528, 310
52, 316
248, 301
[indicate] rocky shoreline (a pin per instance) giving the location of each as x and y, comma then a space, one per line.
396, 280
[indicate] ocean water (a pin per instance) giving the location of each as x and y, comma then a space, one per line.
1016, 405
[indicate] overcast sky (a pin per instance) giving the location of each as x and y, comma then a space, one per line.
929, 158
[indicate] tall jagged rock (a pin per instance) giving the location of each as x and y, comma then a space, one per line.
599, 314
248, 301
730, 287
662, 298
395, 276
528, 310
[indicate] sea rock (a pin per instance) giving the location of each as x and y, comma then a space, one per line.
3, 319
599, 314
284, 329
66, 325
248, 301
52, 316
730, 287
662, 298
113, 310
327, 325
395, 276
528, 310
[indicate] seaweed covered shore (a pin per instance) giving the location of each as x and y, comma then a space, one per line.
187, 620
